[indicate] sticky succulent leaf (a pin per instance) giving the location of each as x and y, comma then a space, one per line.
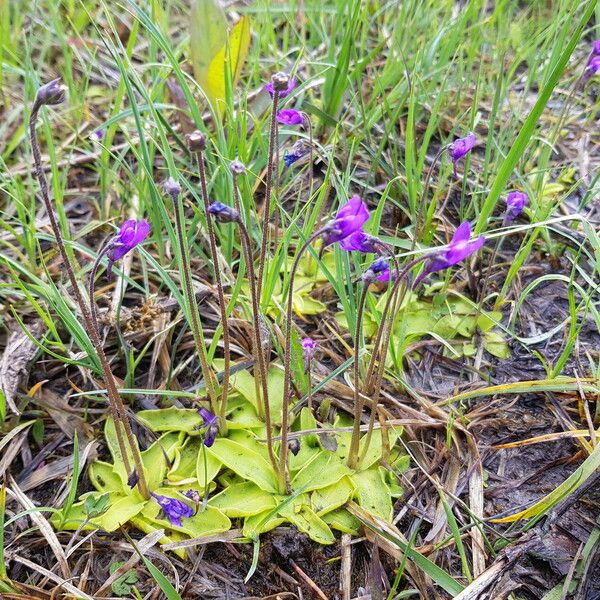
243, 416
157, 458
375, 451
171, 419
306, 520
331, 497
323, 470
308, 422
245, 462
261, 523
342, 520
207, 465
104, 478
396, 490
372, 493
243, 500
496, 345
207, 522
243, 383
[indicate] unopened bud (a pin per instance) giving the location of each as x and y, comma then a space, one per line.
172, 188
237, 167
294, 446
51, 93
197, 141
280, 81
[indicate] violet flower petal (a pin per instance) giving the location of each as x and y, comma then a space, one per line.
290, 116
350, 218
359, 241
174, 509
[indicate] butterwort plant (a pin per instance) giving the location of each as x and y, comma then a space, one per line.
52, 94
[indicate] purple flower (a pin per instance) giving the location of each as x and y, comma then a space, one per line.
515, 202
211, 424
349, 219
174, 509
97, 135
224, 213
596, 47
131, 234
282, 93
592, 67
297, 151
290, 158
459, 248
309, 347
461, 147
379, 269
360, 241
290, 116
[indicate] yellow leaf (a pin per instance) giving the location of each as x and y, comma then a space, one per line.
230, 57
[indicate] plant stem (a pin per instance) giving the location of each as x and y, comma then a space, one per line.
418, 222
220, 293
378, 346
248, 260
268, 189
260, 355
287, 358
358, 401
115, 401
119, 412
190, 296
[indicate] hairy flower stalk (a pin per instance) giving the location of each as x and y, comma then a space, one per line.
280, 87
378, 270
51, 94
419, 217
309, 347
226, 214
173, 189
197, 143
348, 220
237, 168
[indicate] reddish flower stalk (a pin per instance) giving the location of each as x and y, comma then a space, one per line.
173, 189
279, 87
197, 143
226, 214
51, 94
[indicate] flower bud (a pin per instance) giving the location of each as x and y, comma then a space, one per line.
294, 446
172, 188
197, 141
51, 93
280, 81
237, 167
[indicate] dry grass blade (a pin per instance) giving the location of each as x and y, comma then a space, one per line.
44, 527
345, 569
476, 507
69, 587
13, 365
228, 536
